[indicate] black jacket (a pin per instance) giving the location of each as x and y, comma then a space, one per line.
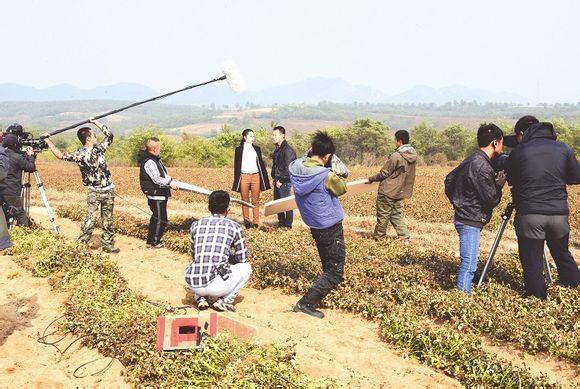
281, 158
12, 184
539, 170
472, 190
264, 180
147, 185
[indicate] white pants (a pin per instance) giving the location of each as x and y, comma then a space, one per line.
226, 289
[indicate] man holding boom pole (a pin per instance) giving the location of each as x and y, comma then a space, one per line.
97, 178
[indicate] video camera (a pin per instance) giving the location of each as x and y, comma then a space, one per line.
499, 162
25, 140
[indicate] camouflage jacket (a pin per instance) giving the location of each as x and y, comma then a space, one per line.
92, 163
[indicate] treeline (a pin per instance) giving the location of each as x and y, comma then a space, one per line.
365, 142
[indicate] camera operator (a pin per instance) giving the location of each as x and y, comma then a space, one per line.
538, 169
11, 186
5, 241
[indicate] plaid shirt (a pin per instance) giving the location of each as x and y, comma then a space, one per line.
92, 163
215, 241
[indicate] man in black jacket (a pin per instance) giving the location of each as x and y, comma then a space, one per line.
281, 158
155, 184
539, 169
474, 190
11, 187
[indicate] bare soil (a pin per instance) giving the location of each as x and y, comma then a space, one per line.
343, 346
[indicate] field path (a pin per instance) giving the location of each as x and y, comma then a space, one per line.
27, 307
342, 346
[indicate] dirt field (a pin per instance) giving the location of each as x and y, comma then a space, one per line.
343, 346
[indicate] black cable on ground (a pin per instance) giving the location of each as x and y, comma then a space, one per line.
44, 336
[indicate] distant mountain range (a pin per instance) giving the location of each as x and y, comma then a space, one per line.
309, 91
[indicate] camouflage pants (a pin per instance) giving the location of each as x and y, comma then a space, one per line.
389, 210
106, 201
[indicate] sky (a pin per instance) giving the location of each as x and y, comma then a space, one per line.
525, 47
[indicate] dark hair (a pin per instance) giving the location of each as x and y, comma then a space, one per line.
279, 128
219, 201
83, 133
402, 135
322, 144
487, 133
244, 133
524, 123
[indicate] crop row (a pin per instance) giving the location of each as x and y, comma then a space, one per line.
102, 310
384, 278
428, 203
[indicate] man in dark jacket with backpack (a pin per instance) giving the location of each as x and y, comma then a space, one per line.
157, 185
539, 169
474, 190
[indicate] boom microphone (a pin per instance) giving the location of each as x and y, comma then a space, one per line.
231, 75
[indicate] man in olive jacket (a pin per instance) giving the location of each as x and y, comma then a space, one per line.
397, 178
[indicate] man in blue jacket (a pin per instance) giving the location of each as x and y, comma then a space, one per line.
539, 169
474, 190
316, 188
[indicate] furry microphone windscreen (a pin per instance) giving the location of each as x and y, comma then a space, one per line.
233, 77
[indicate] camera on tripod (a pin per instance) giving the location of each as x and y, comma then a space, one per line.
25, 140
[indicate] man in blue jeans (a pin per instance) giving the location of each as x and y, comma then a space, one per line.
317, 188
281, 158
474, 189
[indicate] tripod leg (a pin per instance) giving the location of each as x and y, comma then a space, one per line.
45, 201
493, 250
547, 270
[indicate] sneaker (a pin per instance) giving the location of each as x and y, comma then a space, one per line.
307, 310
248, 224
202, 303
155, 246
111, 249
221, 306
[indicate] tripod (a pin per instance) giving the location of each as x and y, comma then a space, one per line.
509, 209
25, 194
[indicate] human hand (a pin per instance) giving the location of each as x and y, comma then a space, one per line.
500, 179
92, 120
28, 150
174, 184
46, 137
368, 181
278, 184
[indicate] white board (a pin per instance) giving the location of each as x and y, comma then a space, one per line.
199, 190
289, 203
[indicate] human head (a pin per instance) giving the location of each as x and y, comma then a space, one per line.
86, 135
490, 135
278, 135
247, 136
219, 201
402, 137
522, 125
10, 141
153, 146
322, 146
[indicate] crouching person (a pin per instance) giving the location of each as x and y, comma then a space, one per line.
220, 265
